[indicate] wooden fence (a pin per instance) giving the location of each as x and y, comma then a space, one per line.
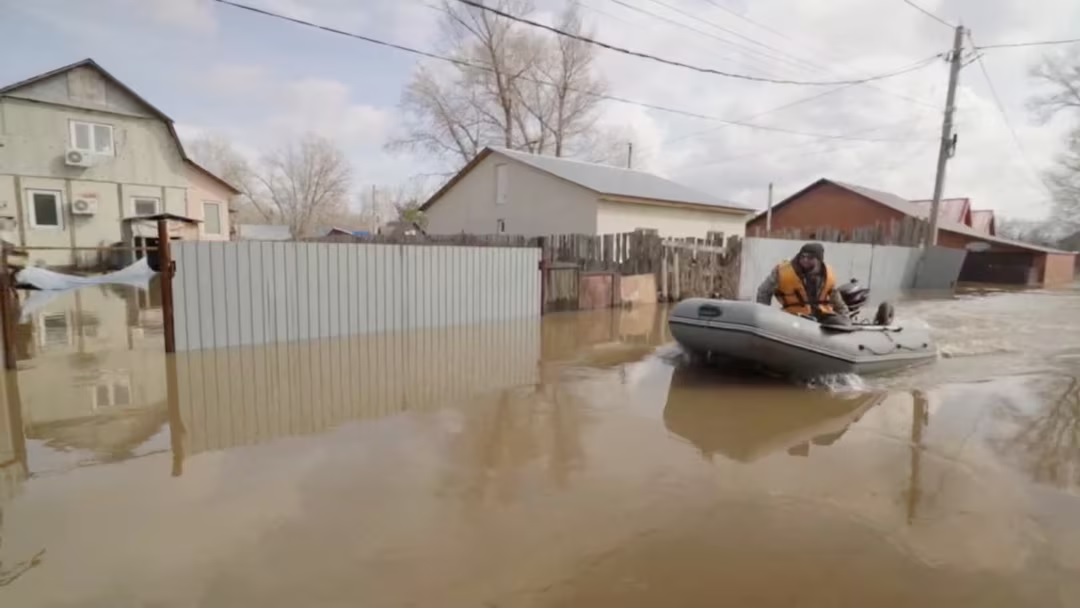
909, 232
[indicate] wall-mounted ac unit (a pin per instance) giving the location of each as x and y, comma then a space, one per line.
78, 158
84, 206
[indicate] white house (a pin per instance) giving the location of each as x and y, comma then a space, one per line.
79, 153
506, 191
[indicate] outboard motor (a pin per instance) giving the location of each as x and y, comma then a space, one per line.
855, 296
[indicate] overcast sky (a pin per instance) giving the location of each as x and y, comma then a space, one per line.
255, 79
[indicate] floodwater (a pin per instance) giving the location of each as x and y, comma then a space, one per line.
575, 462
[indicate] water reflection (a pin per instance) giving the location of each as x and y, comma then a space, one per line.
746, 421
1046, 436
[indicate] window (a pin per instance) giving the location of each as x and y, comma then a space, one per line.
114, 389
145, 206
92, 137
501, 225
501, 184
45, 206
211, 217
55, 331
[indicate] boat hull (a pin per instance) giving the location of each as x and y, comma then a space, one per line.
787, 344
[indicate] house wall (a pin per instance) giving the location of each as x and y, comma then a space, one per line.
538, 203
35, 130
826, 205
201, 189
668, 220
1058, 269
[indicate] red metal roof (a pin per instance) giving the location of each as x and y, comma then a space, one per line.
982, 220
956, 210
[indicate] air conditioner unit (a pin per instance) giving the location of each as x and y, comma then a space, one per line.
78, 158
84, 206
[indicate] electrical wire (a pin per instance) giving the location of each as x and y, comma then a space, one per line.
609, 97
657, 59
929, 14
790, 38
690, 28
784, 54
1005, 119
1037, 43
787, 105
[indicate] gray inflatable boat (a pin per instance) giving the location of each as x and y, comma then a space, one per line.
792, 345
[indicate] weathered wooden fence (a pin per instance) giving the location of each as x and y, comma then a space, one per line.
909, 232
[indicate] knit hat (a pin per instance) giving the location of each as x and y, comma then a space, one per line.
816, 250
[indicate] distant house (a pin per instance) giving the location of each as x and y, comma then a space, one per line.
846, 207
263, 232
80, 152
506, 191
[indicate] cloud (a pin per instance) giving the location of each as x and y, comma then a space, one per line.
325, 107
236, 79
197, 15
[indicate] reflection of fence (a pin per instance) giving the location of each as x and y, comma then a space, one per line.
239, 396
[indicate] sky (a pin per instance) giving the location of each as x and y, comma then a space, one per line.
257, 81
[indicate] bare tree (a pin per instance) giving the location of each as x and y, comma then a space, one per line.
513, 88
304, 181
1061, 74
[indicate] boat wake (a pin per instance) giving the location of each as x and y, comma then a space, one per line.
839, 383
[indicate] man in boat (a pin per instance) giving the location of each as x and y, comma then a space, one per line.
806, 286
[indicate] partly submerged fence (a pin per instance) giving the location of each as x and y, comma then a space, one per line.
252, 293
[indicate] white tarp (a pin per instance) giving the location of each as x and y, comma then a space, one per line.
137, 274
51, 284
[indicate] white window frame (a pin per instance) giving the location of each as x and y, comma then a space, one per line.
221, 223
111, 381
135, 210
32, 209
42, 331
93, 138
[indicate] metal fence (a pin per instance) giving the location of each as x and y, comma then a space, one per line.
254, 293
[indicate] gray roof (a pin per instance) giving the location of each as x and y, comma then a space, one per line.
619, 182
263, 232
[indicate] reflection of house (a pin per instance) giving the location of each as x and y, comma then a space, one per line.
846, 207
80, 152
506, 191
91, 374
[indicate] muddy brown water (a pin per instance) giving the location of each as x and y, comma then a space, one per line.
577, 462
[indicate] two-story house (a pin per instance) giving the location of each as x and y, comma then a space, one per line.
80, 152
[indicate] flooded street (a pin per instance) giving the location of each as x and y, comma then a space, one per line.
577, 461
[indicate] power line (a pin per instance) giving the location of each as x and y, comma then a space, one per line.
654, 58
790, 104
789, 37
699, 32
1037, 43
1005, 119
615, 98
784, 54
929, 14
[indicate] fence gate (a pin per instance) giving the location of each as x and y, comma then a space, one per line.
562, 284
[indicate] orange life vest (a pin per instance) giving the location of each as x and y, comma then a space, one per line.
791, 291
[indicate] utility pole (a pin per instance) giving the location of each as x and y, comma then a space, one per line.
768, 213
629, 155
946, 147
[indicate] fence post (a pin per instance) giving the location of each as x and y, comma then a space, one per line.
663, 273
167, 270
544, 273
677, 290
6, 308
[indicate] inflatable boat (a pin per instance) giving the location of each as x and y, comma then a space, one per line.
795, 346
